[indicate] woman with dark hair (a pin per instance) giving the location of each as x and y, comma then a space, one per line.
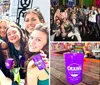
31, 18
17, 43
16, 38
38, 42
57, 31
67, 29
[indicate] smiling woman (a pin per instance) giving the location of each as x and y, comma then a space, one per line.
31, 18
17, 43
3, 28
38, 41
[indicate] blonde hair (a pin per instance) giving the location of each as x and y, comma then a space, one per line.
6, 21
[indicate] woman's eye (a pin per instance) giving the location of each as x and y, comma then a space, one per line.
5, 27
33, 19
38, 39
27, 20
14, 32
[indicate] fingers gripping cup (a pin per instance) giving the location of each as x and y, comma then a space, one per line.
74, 66
39, 62
9, 63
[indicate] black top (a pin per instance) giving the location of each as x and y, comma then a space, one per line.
17, 55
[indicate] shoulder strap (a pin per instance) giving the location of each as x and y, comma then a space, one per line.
46, 71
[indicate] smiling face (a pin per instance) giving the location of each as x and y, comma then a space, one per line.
13, 35
3, 28
37, 41
31, 20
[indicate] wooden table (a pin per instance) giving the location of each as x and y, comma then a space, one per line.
91, 71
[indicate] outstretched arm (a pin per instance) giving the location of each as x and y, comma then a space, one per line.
4, 80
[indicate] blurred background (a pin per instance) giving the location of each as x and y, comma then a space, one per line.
76, 2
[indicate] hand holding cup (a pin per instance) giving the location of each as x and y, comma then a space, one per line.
9, 63
44, 58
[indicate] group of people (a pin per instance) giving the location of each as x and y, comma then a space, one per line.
72, 24
22, 45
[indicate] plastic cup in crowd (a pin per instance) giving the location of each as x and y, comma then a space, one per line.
22, 63
9, 63
39, 62
22, 60
74, 67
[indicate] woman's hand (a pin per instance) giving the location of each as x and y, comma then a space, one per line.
12, 65
46, 60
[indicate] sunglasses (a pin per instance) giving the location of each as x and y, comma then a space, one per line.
36, 8
33, 9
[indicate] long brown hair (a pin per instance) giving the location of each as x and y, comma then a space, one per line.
35, 11
40, 27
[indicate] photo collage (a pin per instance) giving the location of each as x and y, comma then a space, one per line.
49, 42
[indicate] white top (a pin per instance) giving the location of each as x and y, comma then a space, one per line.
92, 18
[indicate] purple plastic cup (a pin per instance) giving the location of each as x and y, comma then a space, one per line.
74, 67
22, 61
39, 62
9, 63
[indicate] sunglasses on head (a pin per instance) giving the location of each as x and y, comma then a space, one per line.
36, 8
33, 9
